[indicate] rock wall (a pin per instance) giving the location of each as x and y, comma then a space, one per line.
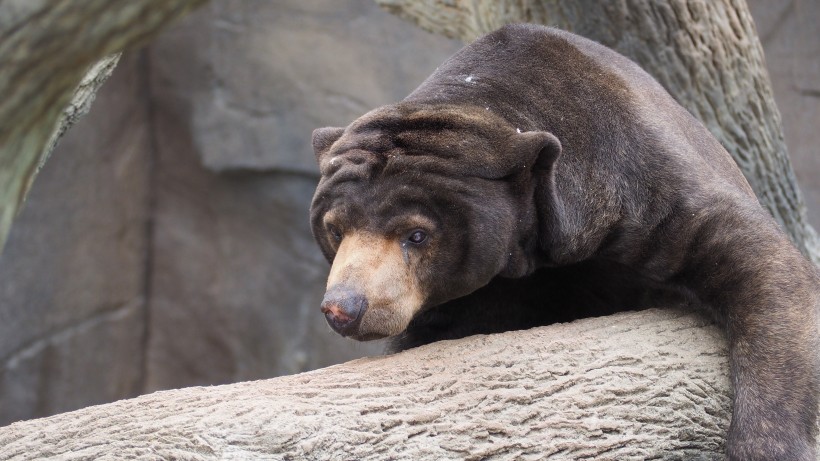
165, 243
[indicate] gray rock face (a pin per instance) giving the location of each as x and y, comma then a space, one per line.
279, 71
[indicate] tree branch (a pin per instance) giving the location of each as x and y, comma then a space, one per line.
639, 385
79, 105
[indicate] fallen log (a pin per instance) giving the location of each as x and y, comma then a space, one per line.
638, 385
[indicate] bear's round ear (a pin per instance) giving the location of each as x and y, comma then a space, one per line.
535, 150
539, 147
323, 138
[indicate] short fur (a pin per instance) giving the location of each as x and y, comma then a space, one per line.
559, 180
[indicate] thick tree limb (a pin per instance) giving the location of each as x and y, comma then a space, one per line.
640, 385
46, 48
706, 54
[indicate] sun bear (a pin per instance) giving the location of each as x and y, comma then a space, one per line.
537, 177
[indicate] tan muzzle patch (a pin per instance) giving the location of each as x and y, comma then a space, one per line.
376, 268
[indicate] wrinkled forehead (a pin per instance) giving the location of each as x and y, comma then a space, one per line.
368, 192
414, 136
412, 158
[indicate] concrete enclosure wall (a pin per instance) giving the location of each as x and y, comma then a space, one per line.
166, 244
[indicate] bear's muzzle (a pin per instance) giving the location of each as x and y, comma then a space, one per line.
343, 309
372, 291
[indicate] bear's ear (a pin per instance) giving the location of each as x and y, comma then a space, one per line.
540, 148
534, 150
323, 138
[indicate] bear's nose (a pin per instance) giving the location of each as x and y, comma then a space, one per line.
343, 310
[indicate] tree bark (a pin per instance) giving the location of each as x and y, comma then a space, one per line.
46, 49
637, 385
705, 53
79, 105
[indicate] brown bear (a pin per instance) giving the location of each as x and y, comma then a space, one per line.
537, 177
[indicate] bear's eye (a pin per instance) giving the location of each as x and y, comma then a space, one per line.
417, 237
335, 232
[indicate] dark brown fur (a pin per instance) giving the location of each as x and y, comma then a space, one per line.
561, 181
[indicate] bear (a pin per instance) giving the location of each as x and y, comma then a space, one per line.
539, 177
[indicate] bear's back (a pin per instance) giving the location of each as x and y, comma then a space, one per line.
596, 101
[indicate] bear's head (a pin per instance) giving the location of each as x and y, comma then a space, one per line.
419, 204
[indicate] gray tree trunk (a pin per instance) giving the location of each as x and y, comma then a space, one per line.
705, 53
46, 50
633, 386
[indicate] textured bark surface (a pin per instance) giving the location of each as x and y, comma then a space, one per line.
46, 48
79, 105
705, 53
640, 385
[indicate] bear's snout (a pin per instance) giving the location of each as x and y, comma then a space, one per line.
343, 309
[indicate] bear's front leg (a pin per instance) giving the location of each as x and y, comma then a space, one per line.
768, 295
773, 361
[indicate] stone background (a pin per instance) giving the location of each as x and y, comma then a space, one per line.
166, 243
